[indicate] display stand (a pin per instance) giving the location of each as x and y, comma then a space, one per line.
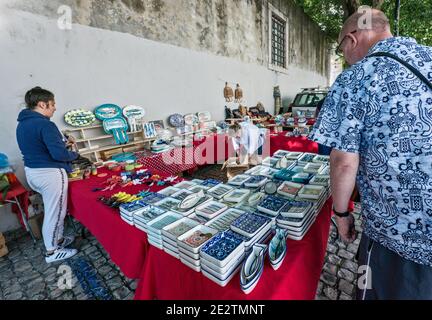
89, 136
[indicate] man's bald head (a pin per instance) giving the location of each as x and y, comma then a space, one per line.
361, 31
369, 19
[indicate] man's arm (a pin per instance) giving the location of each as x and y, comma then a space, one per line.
343, 173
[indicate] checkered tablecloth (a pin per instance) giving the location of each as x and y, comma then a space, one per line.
210, 149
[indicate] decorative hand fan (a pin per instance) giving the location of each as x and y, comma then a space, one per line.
134, 115
113, 122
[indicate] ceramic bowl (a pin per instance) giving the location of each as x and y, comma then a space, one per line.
277, 249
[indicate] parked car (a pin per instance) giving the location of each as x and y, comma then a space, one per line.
307, 100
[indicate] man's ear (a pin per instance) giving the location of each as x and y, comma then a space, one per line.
353, 39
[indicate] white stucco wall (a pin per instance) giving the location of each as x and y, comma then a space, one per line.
86, 67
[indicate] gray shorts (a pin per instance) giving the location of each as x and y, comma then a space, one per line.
389, 276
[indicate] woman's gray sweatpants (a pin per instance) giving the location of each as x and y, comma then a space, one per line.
52, 184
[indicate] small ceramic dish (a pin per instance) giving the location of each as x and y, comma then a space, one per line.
190, 265
171, 253
219, 191
284, 163
289, 189
320, 180
306, 158
313, 167
277, 249
197, 181
210, 183
176, 229
221, 249
311, 192
294, 155
281, 153
147, 215
266, 171
184, 184
302, 177
171, 248
156, 225
237, 195
169, 191
153, 197
181, 194
255, 198
129, 209
249, 224
195, 262
195, 238
224, 282
296, 209
196, 189
238, 180
270, 161
210, 209
271, 205
321, 159
223, 272
252, 268
189, 254
255, 181
223, 221
325, 171
168, 203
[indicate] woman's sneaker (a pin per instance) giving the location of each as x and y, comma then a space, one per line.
67, 241
60, 254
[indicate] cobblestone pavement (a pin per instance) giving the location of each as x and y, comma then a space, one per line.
25, 275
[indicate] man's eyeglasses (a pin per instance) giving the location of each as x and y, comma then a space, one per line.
338, 48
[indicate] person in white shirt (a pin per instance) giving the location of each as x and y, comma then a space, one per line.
247, 140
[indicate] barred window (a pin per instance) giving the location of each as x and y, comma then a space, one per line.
278, 41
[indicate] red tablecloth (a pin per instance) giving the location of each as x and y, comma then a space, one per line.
211, 149
21, 194
165, 277
302, 144
126, 245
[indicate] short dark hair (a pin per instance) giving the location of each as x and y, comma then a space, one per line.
36, 95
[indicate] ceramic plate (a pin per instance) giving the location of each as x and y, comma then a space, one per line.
204, 116
176, 120
79, 118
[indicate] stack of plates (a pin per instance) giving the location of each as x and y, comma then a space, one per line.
312, 192
143, 217
223, 221
262, 236
281, 153
181, 194
306, 158
250, 224
269, 162
154, 228
190, 243
289, 189
221, 257
210, 183
127, 210
271, 205
297, 227
171, 232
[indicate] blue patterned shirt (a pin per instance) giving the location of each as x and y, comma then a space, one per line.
379, 109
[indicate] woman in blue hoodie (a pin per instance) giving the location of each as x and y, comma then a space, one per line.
47, 161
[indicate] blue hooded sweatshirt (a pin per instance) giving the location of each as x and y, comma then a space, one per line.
41, 143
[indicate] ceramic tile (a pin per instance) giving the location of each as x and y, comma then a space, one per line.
249, 224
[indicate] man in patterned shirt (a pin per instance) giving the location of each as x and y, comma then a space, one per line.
377, 118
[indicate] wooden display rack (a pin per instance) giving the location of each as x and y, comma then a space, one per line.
89, 135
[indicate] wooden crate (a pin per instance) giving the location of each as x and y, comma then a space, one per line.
233, 169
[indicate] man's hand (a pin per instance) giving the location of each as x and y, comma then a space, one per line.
346, 228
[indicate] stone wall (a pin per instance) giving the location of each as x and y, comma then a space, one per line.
231, 28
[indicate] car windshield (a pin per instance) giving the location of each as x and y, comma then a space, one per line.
308, 99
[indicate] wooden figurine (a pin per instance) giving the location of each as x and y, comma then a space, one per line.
238, 94
228, 93
243, 110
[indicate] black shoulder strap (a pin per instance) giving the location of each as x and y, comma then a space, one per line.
406, 64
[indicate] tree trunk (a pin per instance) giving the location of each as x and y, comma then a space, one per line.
350, 7
377, 4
